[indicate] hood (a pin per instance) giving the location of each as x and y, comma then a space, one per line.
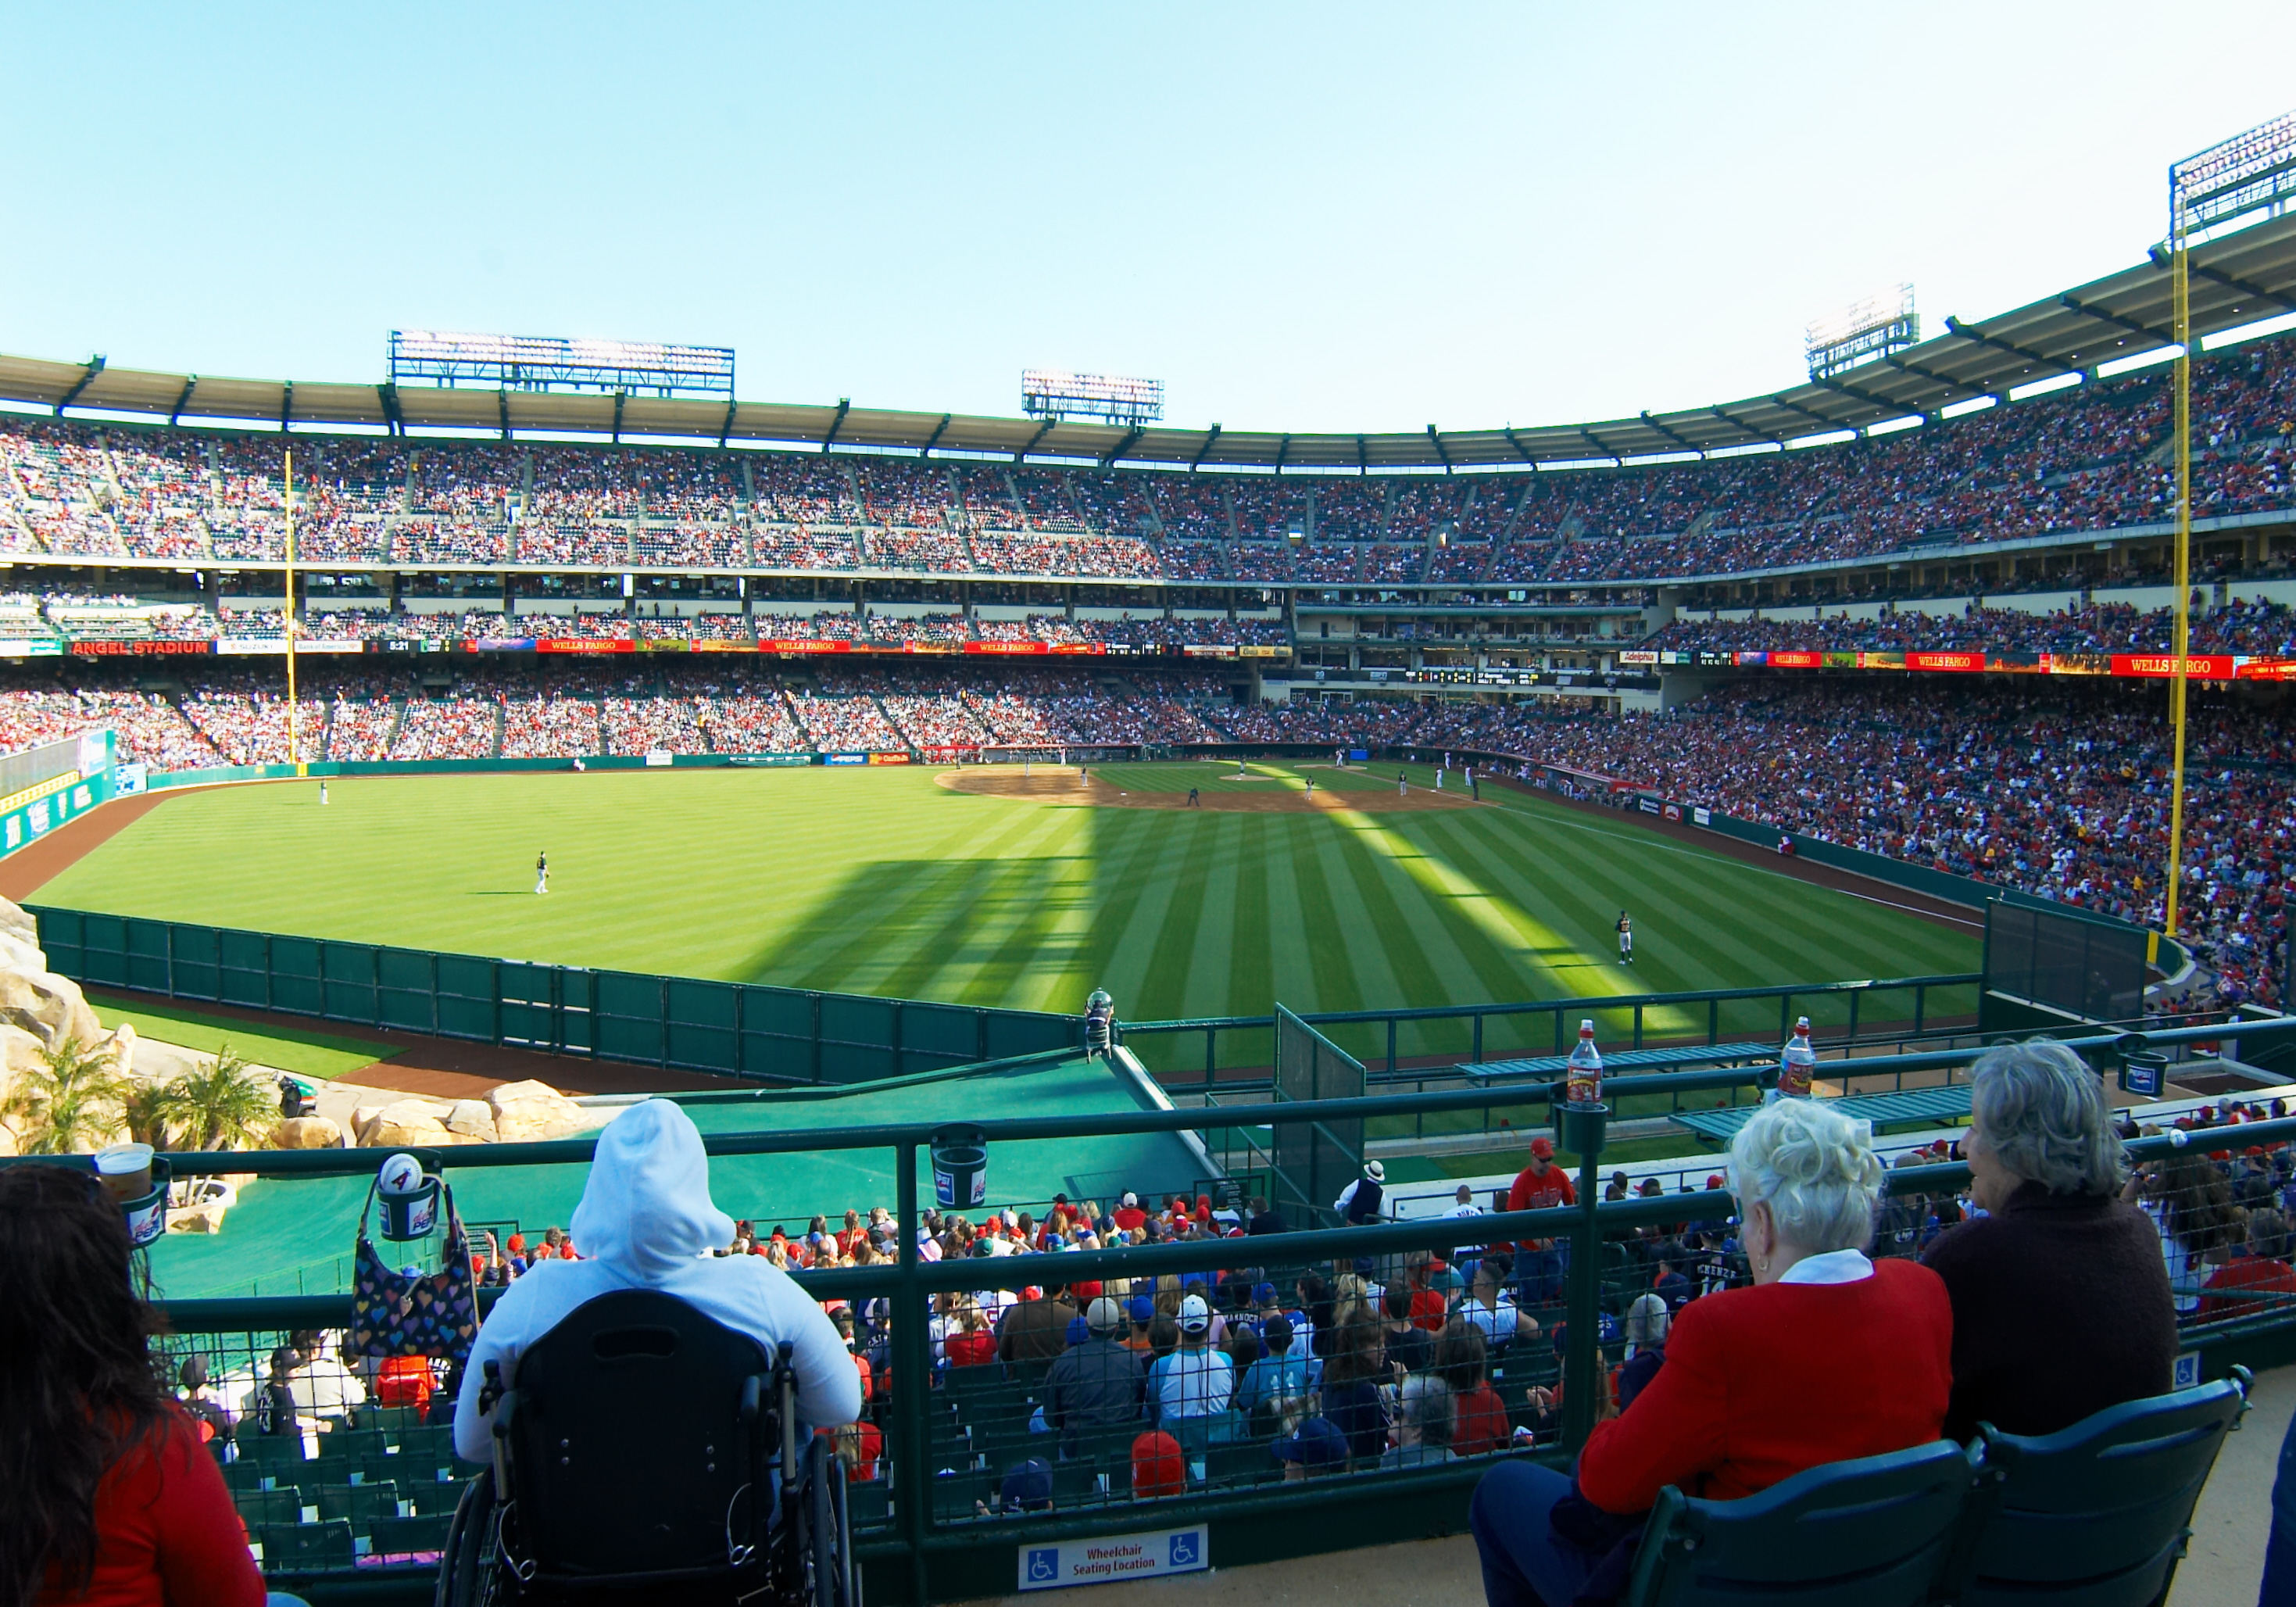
647, 1210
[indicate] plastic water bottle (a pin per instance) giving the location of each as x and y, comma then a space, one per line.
1796, 1062
1583, 1081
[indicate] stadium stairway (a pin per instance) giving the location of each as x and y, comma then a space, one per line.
2223, 1569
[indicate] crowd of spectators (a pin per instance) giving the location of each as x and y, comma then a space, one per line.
2074, 459
2253, 628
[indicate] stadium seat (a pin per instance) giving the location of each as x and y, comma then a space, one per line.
2098, 1514
349, 1444
358, 1505
270, 1450
956, 1495
291, 1547
1244, 1462
868, 1504
1874, 1532
267, 1509
402, 1537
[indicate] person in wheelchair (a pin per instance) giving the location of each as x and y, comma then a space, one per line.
644, 1409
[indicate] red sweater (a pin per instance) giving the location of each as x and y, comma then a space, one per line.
1762, 1382
167, 1531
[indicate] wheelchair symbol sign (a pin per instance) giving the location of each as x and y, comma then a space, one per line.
1184, 1548
1045, 1565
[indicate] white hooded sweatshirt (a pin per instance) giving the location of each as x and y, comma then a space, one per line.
646, 1222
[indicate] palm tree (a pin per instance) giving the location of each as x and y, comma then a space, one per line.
67, 1105
143, 1111
220, 1105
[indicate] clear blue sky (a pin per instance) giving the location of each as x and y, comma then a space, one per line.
1310, 217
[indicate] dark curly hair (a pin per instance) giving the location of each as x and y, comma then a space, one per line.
78, 1388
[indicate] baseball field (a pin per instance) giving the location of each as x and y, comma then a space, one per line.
990, 886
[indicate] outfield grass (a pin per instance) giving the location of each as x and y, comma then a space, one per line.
881, 881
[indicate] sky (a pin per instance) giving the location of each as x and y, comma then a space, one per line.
1304, 217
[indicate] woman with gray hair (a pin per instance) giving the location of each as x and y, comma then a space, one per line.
1828, 1355
2060, 1303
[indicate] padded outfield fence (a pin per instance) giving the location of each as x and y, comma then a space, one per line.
931, 1525
675, 1023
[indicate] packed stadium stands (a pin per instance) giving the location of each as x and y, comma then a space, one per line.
2084, 458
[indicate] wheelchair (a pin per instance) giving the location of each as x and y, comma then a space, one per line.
635, 1459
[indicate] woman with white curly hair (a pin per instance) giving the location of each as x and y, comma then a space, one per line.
1828, 1355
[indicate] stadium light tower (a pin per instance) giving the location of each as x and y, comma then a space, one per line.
2243, 180
1872, 327
1048, 393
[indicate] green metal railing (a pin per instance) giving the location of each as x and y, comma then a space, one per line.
924, 1557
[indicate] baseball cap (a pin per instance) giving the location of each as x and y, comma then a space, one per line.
1316, 1442
1374, 1170
194, 1373
1029, 1484
1157, 1467
1104, 1315
1131, 1200
1144, 1309
1263, 1294
1714, 1180
1542, 1148
1078, 1330
1194, 1316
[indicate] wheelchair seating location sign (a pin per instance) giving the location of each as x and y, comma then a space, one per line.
1098, 1561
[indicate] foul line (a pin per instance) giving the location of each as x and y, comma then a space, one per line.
1713, 858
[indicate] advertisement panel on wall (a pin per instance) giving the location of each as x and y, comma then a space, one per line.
889, 759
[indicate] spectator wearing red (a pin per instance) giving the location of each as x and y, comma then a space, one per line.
1129, 1216
2259, 1280
110, 1497
1541, 1186
1828, 1355
969, 1343
1462, 1361
1159, 1467
405, 1381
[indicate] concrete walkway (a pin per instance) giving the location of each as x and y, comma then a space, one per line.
2223, 1569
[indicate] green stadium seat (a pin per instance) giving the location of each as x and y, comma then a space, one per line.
2098, 1514
358, 1505
955, 1495
1077, 1484
431, 1496
392, 1422
868, 1504
247, 1475
265, 1508
296, 1547
348, 1445
1243, 1462
269, 1449
404, 1537
1874, 1532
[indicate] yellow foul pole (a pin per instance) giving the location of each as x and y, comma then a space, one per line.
2180, 284
294, 722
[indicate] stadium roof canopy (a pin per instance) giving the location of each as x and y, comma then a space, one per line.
2237, 279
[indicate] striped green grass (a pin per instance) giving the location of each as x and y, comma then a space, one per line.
881, 881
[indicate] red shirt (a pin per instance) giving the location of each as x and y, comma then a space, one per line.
970, 1349
1482, 1422
167, 1531
2253, 1275
405, 1381
1130, 1216
1762, 1382
1429, 1309
1532, 1193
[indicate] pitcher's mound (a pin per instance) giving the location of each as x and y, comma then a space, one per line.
1064, 787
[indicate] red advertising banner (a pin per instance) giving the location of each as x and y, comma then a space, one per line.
585, 644
1789, 660
2266, 670
157, 649
1959, 662
2198, 666
1035, 649
803, 644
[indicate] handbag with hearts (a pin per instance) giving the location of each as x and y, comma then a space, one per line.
410, 1313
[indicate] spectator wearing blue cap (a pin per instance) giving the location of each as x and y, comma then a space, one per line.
1028, 1487
1098, 1384
1313, 1450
